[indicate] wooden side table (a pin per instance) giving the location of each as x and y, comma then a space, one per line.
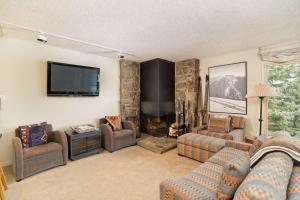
3, 184
83, 144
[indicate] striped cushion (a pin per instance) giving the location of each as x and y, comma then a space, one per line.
211, 144
219, 124
293, 192
200, 184
194, 153
237, 122
255, 147
238, 145
268, 179
224, 136
226, 155
233, 174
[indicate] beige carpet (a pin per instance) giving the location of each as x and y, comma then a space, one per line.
133, 173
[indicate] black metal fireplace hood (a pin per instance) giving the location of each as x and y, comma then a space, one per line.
157, 81
157, 108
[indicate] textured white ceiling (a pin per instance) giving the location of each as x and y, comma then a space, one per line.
170, 29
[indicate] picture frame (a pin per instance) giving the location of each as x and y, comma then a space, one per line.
228, 88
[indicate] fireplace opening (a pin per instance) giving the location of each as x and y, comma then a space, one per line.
157, 126
155, 123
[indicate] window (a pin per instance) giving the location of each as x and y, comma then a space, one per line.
284, 110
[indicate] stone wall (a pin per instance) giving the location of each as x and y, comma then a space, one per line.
186, 85
130, 91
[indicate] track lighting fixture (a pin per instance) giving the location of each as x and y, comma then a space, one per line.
41, 37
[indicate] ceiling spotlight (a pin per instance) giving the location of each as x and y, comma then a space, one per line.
41, 37
121, 55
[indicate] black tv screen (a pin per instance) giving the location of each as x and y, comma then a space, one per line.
72, 80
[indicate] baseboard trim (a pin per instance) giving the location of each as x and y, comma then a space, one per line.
6, 163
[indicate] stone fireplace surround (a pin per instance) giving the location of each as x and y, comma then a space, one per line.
186, 88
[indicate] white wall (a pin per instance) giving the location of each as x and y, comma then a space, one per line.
23, 81
254, 67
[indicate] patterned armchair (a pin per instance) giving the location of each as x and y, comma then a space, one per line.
224, 127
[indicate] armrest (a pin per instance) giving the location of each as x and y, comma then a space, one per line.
224, 136
108, 137
19, 163
238, 135
130, 125
61, 138
238, 145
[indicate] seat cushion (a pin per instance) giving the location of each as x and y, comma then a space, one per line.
293, 192
123, 133
204, 142
36, 151
226, 155
199, 184
225, 136
268, 179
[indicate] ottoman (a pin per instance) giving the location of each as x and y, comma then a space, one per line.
199, 147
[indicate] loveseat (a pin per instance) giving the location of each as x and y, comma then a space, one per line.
227, 175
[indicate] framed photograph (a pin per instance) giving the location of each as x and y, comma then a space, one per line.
228, 88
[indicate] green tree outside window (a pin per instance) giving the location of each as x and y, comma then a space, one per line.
284, 110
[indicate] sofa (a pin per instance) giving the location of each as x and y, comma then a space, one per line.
31, 160
118, 139
227, 175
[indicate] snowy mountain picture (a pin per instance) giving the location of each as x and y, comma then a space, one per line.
228, 88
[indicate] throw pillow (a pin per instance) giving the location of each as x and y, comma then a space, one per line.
33, 135
237, 122
255, 146
234, 172
219, 124
38, 135
115, 122
24, 136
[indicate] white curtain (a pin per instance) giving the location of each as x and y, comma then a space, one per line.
280, 53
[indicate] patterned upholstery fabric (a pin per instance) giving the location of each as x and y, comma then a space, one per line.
268, 179
194, 153
237, 122
38, 135
33, 135
200, 184
293, 192
226, 155
211, 144
220, 124
238, 145
255, 147
115, 122
224, 136
233, 174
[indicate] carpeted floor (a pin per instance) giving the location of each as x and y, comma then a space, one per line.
131, 173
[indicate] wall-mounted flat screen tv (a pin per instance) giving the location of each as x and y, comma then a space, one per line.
72, 80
